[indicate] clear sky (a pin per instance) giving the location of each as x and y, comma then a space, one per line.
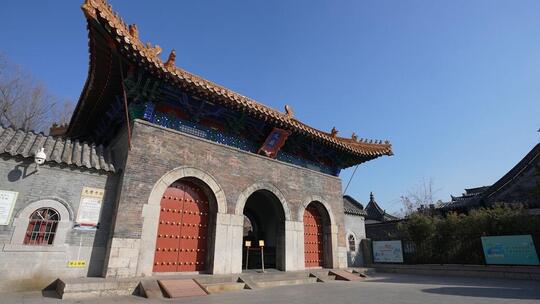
454, 85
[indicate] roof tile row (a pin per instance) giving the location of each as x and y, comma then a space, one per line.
59, 150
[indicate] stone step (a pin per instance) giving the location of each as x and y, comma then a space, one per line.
322, 275
250, 283
150, 289
286, 282
362, 274
181, 288
345, 275
223, 287
217, 279
363, 271
326, 278
276, 275
95, 287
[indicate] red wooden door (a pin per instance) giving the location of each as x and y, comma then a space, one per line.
313, 238
183, 229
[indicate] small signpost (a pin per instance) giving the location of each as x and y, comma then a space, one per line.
261, 245
248, 244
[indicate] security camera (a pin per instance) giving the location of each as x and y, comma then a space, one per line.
40, 157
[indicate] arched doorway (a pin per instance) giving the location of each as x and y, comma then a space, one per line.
264, 219
186, 227
317, 237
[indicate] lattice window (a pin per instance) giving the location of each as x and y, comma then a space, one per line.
42, 227
352, 243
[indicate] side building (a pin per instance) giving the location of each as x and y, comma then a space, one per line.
379, 223
49, 213
519, 186
355, 230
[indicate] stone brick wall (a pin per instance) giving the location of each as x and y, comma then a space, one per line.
156, 151
27, 267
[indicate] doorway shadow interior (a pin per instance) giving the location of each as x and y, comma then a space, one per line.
264, 219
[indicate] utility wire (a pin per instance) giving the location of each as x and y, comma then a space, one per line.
350, 179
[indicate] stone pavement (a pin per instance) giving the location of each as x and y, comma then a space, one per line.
380, 288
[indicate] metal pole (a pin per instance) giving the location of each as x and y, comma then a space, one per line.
80, 246
262, 258
125, 103
247, 257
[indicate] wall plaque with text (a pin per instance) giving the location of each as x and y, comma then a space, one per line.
7, 202
90, 206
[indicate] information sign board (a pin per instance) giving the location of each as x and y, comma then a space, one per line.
90, 206
387, 252
7, 202
509, 250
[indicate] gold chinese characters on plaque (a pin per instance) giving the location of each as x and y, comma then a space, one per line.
90, 206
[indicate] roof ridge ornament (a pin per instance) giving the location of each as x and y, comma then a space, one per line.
153, 51
334, 132
170, 61
289, 111
133, 31
89, 8
354, 137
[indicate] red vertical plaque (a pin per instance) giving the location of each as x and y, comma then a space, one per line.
274, 142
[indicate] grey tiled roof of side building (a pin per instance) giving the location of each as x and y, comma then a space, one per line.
352, 206
58, 149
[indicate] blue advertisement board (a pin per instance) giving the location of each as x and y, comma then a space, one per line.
510, 250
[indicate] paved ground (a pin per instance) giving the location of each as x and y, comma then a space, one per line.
381, 288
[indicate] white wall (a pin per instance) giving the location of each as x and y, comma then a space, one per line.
354, 225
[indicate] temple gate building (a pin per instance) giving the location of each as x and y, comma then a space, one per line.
162, 171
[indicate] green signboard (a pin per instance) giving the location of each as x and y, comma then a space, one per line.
510, 250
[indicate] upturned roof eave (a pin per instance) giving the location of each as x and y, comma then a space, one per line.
99, 12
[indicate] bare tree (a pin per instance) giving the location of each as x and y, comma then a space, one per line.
422, 195
63, 111
25, 103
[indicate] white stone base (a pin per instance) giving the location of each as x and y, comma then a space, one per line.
123, 258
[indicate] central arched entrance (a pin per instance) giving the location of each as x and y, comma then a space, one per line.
185, 228
264, 219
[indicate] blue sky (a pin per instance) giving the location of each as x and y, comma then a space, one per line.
454, 85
